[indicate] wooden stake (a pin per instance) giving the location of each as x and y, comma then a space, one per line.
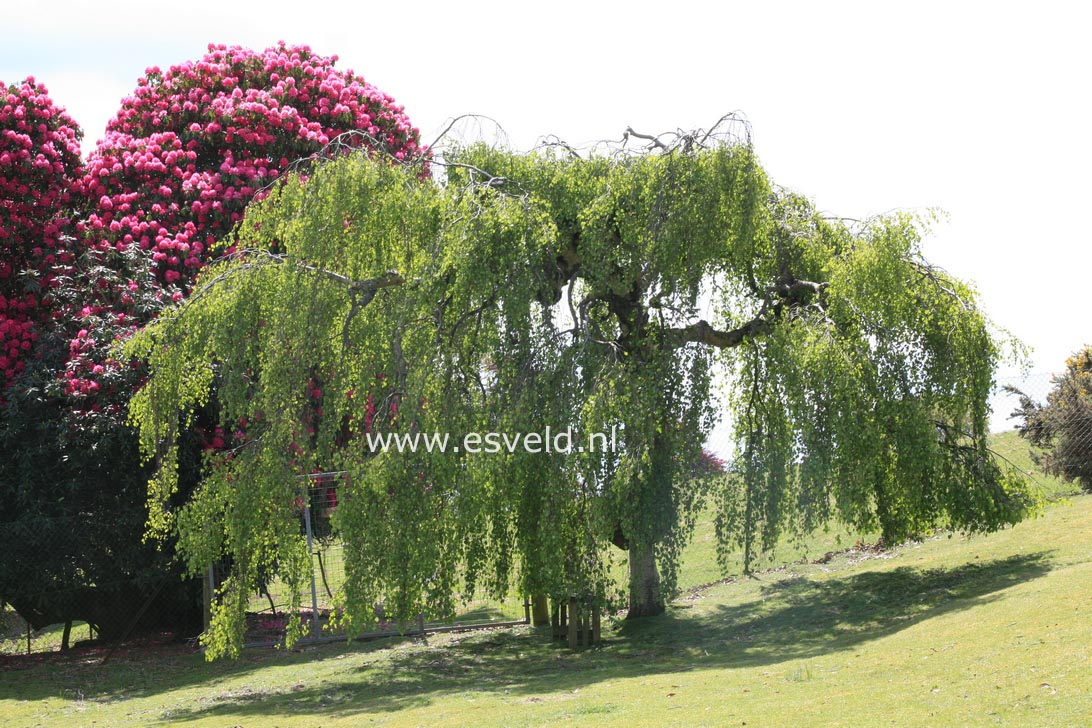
572, 622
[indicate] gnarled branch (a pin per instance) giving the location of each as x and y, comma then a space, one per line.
702, 332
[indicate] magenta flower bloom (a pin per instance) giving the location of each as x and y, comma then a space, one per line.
185, 154
190, 148
39, 162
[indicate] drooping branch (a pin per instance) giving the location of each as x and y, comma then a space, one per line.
361, 291
654, 140
365, 287
361, 294
937, 276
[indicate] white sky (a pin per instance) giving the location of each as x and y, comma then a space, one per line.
981, 109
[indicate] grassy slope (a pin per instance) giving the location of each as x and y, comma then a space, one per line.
699, 562
982, 631
1017, 452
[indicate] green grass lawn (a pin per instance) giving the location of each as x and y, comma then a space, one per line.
952, 631
1016, 451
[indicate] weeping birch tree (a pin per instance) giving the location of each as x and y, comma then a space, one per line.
592, 293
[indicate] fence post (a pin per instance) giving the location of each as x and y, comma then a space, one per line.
208, 589
574, 622
311, 554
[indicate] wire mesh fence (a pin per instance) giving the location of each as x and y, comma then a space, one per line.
1004, 402
18, 636
1042, 425
269, 609
74, 580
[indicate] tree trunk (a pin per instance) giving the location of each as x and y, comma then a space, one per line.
645, 599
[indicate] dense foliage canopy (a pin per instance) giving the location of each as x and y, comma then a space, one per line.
518, 291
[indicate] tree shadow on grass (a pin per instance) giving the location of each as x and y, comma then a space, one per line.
794, 618
799, 617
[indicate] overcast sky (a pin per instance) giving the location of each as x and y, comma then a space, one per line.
981, 109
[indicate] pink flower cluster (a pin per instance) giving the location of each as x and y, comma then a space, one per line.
39, 159
193, 146
185, 155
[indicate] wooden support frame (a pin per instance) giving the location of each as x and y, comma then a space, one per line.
576, 621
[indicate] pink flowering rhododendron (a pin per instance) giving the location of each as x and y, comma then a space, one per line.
128, 231
185, 155
39, 158
193, 146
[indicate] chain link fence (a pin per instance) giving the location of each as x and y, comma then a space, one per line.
1042, 425
1004, 402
